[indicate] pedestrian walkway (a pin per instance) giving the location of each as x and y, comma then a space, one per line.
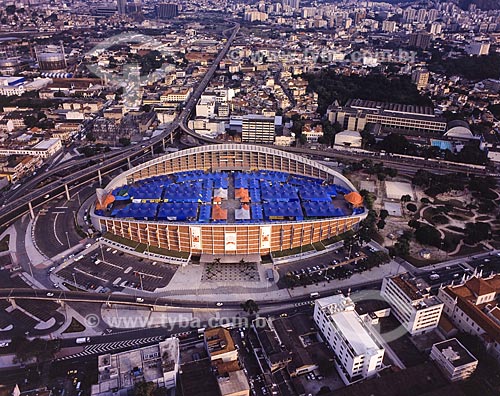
99, 349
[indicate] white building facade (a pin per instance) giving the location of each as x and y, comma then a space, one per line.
358, 354
415, 308
454, 360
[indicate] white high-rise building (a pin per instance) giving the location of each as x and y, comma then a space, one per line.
436, 28
389, 26
421, 15
358, 354
413, 306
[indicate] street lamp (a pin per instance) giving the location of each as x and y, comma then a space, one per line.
67, 238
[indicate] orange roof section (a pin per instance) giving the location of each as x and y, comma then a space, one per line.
107, 201
354, 198
218, 213
242, 194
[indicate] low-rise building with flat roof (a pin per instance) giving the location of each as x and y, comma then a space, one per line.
220, 344
43, 149
453, 359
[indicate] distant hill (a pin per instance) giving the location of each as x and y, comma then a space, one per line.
482, 4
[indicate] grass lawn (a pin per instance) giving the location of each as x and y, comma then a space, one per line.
290, 252
74, 327
418, 262
166, 252
469, 250
72, 287
319, 246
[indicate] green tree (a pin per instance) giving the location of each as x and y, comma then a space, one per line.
124, 141
395, 143
38, 349
376, 259
250, 306
30, 121
477, 232
411, 207
144, 388
428, 235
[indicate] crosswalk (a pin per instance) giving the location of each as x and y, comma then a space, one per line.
97, 349
300, 304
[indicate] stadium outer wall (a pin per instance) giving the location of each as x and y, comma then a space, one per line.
217, 239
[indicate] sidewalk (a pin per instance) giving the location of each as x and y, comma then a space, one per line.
444, 264
302, 256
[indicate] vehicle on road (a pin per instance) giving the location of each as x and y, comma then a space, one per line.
139, 300
49, 294
82, 340
4, 344
314, 295
219, 304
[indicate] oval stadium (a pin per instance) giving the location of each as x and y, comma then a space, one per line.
228, 199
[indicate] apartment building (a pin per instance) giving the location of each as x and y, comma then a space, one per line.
176, 94
420, 78
411, 303
358, 354
257, 129
453, 359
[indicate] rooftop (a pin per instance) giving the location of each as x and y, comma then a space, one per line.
149, 363
416, 290
391, 107
46, 144
340, 310
219, 341
233, 382
355, 333
455, 352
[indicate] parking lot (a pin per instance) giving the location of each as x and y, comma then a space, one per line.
107, 269
340, 264
487, 264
